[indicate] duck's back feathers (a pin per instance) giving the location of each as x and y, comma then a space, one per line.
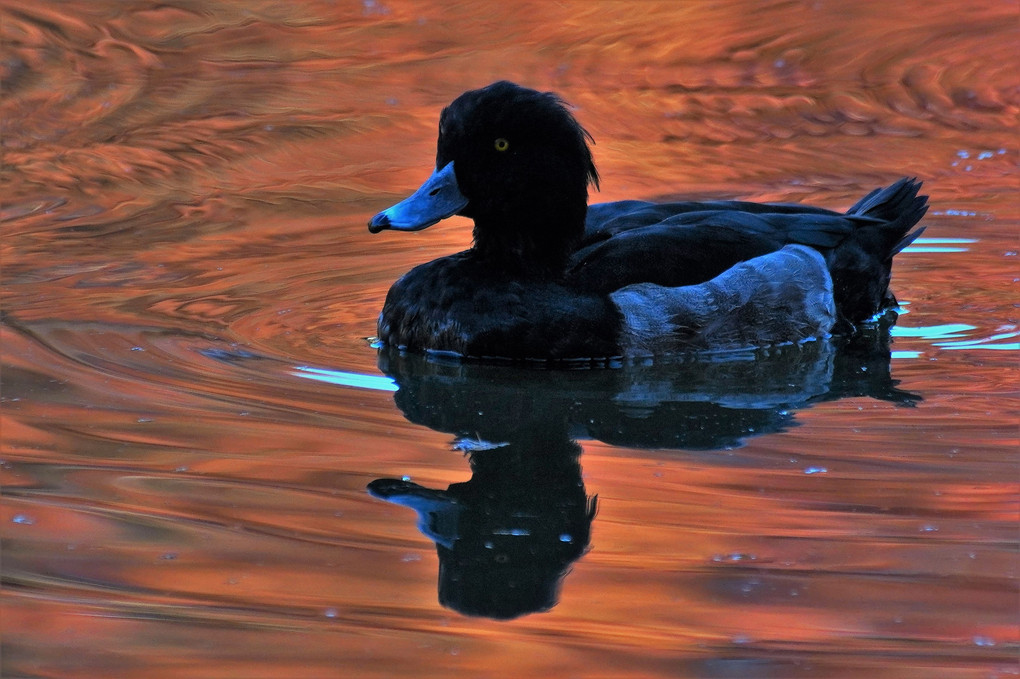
685, 250
676, 244
607, 219
695, 245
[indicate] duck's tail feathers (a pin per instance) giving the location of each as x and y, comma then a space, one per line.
895, 209
909, 238
862, 265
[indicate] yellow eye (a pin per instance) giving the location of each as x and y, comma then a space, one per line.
502, 144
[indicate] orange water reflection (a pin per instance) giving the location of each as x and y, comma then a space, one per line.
185, 191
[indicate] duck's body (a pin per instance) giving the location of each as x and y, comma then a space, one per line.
466, 305
549, 278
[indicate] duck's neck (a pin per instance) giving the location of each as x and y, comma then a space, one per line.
537, 243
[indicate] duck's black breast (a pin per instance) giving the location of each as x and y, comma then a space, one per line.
465, 305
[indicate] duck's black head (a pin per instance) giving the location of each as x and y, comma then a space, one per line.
515, 161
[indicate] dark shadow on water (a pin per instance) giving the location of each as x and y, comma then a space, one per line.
507, 537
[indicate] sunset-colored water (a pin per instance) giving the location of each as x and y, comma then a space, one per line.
193, 410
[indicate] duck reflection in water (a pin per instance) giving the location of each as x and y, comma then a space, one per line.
508, 536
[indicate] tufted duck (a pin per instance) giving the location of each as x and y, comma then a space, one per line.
549, 277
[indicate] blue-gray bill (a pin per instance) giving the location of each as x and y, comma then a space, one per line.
438, 198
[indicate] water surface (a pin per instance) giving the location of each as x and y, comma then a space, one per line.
192, 411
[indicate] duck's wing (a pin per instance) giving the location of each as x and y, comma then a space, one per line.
691, 247
688, 243
605, 220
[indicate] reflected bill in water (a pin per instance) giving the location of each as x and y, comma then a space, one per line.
508, 536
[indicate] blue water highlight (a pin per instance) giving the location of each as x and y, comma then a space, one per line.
346, 379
